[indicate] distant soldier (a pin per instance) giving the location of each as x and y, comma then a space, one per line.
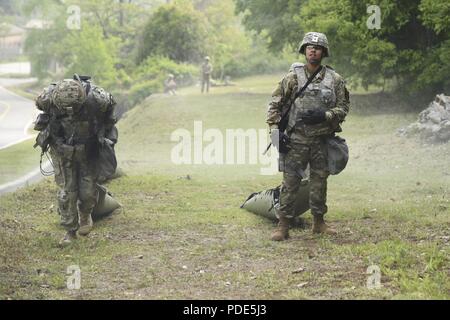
207, 69
77, 122
314, 116
170, 85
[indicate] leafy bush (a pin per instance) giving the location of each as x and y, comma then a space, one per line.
158, 67
149, 76
258, 61
142, 90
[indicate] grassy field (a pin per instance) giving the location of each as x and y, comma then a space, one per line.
18, 160
183, 236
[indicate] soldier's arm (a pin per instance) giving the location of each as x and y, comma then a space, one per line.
280, 96
342, 107
110, 121
50, 130
56, 131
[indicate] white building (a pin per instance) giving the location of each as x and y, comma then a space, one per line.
12, 39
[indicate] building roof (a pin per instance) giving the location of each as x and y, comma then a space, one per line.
7, 29
38, 24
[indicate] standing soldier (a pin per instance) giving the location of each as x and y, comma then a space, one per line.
315, 115
206, 74
78, 120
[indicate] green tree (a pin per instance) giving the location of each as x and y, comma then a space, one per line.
41, 46
174, 31
87, 52
227, 41
276, 21
412, 45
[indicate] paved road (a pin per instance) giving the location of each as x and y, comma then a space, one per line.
16, 115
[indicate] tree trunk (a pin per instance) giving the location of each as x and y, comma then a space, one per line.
121, 13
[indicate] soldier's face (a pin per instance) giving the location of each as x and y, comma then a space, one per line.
314, 54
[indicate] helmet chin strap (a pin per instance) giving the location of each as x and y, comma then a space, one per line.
76, 77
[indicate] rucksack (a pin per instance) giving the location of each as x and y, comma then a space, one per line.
337, 154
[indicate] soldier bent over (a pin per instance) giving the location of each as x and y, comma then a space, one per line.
80, 120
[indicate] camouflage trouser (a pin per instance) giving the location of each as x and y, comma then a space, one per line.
205, 82
297, 160
76, 179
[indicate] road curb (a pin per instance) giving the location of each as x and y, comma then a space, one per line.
26, 180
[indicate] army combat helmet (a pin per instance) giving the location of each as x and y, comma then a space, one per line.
69, 95
315, 38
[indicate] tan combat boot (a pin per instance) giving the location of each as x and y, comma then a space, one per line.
281, 233
68, 238
319, 226
86, 224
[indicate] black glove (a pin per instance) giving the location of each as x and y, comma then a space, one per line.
314, 116
280, 140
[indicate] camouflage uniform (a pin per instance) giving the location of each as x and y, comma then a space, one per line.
76, 133
206, 74
326, 91
170, 85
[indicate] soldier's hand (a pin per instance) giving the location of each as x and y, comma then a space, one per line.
280, 140
314, 116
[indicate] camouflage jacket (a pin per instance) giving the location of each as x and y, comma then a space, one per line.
207, 68
283, 95
94, 121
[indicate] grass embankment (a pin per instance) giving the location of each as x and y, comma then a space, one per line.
18, 160
182, 234
27, 90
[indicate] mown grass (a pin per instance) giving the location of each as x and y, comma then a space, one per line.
182, 234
